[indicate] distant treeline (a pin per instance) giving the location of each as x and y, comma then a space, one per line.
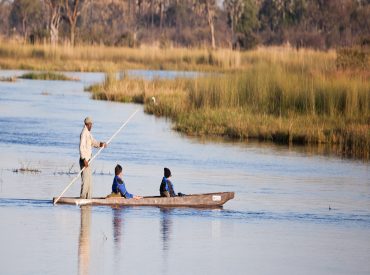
243, 24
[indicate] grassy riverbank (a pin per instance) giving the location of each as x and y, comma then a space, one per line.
281, 95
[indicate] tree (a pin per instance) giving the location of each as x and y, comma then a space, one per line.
5, 7
161, 15
209, 7
22, 12
330, 21
72, 9
234, 11
247, 25
243, 21
360, 22
278, 14
55, 16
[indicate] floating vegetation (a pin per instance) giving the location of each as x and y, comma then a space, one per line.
26, 167
47, 76
26, 170
73, 171
45, 93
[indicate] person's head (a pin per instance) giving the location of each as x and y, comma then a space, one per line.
118, 170
167, 172
88, 122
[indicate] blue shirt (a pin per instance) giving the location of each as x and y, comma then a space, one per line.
168, 186
119, 186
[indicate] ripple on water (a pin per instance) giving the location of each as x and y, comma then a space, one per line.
336, 218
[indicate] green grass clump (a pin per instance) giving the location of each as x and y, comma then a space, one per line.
46, 76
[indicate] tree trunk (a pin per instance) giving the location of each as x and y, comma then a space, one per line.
24, 28
54, 34
54, 20
213, 36
72, 34
210, 17
161, 16
232, 30
152, 13
72, 18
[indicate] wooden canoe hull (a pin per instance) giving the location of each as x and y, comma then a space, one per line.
197, 200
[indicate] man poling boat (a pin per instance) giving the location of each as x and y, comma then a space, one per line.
87, 141
89, 161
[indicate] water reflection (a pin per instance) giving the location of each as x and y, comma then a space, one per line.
117, 224
84, 241
165, 231
117, 228
166, 227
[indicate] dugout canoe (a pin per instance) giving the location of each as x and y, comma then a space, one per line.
197, 200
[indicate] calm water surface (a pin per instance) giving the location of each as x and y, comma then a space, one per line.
278, 223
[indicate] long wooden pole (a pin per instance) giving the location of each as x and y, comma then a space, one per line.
101, 149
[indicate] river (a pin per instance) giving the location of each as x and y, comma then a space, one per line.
293, 212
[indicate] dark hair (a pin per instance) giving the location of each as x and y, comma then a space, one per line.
118, 169
167, 172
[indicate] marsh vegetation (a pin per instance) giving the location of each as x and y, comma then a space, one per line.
103, 58
281, 95
46, 76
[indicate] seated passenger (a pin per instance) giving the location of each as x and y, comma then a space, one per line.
166, 188
119, 187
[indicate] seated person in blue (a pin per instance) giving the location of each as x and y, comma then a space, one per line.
119, 187
166, 188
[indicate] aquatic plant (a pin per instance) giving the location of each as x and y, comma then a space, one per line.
46, 76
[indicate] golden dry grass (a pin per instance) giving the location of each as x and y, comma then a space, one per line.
102, 58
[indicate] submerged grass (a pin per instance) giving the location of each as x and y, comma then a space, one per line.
46, 76
282, 95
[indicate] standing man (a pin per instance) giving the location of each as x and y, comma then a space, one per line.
86, 142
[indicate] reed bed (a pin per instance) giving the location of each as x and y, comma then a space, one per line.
126, 89
282, 95
101, 58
